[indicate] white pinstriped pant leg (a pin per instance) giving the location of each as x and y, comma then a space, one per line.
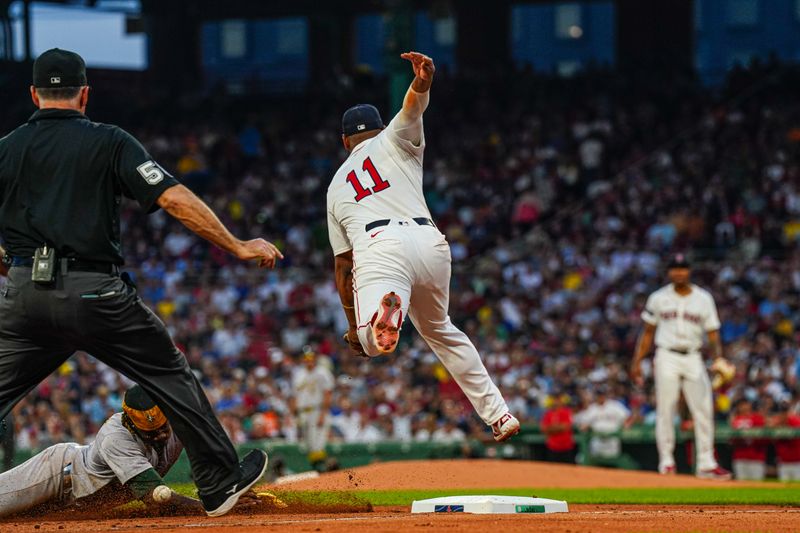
382, 268
430, 301
414, 262
699, 399
668, 386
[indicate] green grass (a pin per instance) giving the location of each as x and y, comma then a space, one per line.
789, 495
774, 494
187, 489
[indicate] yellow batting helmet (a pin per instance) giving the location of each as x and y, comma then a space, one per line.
142, 410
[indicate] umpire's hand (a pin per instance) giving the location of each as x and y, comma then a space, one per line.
266, 253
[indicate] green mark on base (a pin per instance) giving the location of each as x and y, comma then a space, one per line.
529, 508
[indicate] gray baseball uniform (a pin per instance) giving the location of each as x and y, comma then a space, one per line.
309, 389
115, 454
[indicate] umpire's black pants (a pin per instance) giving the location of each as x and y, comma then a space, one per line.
41, 326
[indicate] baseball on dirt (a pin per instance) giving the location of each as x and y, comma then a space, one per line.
162, 494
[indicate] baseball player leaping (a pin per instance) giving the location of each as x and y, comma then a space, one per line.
679, 315
391, 260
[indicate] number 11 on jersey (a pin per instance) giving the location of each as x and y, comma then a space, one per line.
378, 183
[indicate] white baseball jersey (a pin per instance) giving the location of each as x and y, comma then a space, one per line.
381, 179
310, 386
681, 321
606, 418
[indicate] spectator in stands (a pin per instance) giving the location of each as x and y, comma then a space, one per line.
346, 421
448, 431
424, 427
557, 426
749, 454
102, 406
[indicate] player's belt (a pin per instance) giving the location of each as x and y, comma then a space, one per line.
66, 481
680, 351
74, 265
385, 222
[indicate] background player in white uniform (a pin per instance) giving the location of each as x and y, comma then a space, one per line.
126, 461
679, 316
312, 386
391, 260
604, 417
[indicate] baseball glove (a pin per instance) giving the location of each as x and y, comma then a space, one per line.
724, 371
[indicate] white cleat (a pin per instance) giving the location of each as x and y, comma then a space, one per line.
387, 322
718, 473
505, 428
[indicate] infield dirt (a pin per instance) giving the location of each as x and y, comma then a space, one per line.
493, 474
350, 514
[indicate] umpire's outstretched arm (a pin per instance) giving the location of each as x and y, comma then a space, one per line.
184, 205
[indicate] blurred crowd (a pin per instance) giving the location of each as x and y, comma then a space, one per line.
560, 198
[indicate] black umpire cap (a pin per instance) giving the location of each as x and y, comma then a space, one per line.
59, 68
361, 118
678, 261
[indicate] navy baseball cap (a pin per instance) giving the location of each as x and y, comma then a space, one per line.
361, 118
678, 261
59, 68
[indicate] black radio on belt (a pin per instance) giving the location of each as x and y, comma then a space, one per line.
44, 265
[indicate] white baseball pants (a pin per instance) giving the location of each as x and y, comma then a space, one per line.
750, 470
414, 262
38, 480
314, 436
673, 373
788, 471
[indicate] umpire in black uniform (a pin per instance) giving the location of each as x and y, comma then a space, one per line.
61, 181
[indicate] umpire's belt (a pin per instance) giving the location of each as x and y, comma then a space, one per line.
72, 264
385, 222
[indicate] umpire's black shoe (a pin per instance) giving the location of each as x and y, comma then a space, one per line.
252, 467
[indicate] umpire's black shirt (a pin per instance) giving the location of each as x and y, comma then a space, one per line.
61, 181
